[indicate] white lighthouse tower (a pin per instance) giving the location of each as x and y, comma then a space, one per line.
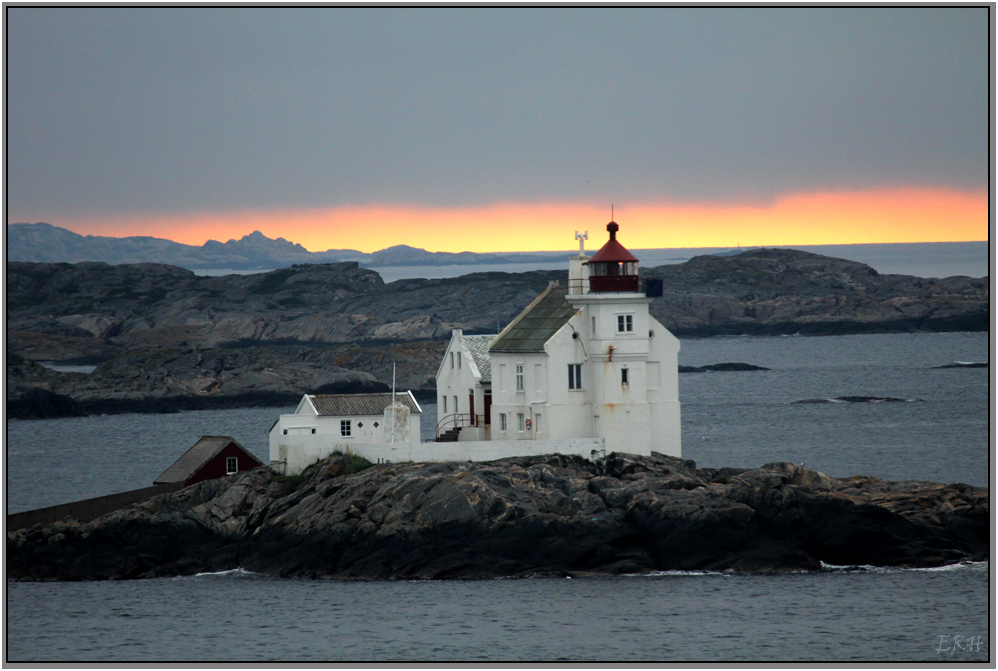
589, 361
632, 360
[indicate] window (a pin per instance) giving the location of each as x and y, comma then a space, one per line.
345, 428
459, 361
625, 323
519, 419
231, 465
285, 432
445, 405
502, 421
519, 377
456, 409
575, 376
594, 327
313, 432
452, 360
623, 376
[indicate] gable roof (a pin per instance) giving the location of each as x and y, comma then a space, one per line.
341, 405
537, 323
194, 459
478, 345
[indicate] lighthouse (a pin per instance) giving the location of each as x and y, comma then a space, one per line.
589, 361
632, 360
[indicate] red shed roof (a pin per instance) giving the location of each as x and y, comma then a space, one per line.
196, 458
612, 251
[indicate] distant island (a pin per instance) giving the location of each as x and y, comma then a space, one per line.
45, 243
167, 339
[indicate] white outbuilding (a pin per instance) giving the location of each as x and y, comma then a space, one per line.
324, 423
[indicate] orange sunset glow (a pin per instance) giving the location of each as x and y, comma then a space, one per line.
878, 216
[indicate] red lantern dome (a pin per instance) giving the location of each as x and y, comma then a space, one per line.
613, 268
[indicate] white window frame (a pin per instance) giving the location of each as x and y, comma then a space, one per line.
575, 377
520, 420
502, 421
231, 465
625, 323
519, 377
625, 377
445, 405
346, 428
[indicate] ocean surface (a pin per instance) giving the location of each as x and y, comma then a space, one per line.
936, 429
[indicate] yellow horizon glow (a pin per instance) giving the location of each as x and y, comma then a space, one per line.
820, 218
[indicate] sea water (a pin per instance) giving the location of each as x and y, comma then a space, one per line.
937, 430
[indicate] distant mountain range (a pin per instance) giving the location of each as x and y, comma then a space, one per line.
46, 243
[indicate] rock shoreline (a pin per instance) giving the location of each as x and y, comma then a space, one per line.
522, 517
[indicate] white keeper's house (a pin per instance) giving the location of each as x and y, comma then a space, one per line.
585, 360
584, 369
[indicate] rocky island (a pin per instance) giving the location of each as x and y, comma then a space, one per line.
167, 339
521, 517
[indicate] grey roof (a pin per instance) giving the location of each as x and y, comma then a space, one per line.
537, 323
194, 459
342, 405
478, 345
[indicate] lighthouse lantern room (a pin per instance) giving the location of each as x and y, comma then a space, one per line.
613, 268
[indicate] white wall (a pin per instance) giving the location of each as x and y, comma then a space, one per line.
506, 398
300, 457
327, 431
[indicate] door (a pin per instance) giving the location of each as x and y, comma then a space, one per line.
488, 408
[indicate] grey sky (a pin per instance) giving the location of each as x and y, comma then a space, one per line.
175, 109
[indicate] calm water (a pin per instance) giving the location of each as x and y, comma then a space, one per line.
940, 432
878, 615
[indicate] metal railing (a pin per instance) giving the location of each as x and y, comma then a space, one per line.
451, 421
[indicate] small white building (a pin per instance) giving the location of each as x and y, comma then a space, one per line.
464, 388
323, 424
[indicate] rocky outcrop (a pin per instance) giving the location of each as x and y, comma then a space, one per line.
721, 367
516, 517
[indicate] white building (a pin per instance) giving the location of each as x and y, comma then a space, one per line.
323, 424
464, 388
582, 361
583, 370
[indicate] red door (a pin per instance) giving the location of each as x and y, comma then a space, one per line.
488, 408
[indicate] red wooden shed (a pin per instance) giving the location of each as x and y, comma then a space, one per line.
211, 457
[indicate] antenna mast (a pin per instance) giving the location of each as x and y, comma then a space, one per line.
395, 411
